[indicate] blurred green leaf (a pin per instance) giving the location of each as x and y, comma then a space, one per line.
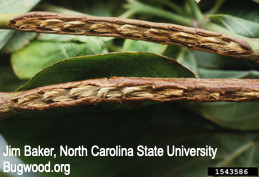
4, 174
143, 46
187, 59
17, 6
14, 6
100, 9
152, 125
92, 7
237, 25
213, 61
18, 41
155, 125
40, 54
131, 64
241, 116
210, 73
68, 38
8, 81
249, 10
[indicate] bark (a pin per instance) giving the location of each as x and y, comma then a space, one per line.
163, 33
124, 90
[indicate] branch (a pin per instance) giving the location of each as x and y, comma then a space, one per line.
163, 33
123, 90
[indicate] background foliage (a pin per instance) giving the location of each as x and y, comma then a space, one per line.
44, 58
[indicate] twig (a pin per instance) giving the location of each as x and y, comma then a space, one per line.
123, 90
164, 33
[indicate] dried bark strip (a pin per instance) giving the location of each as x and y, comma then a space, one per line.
164, 33
123, 90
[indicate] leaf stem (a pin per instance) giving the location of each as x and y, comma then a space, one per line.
235, 154
216, 7
173, 6
196, 10
146, 9
129, 13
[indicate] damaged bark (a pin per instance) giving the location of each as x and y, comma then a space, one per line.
163, 33
123, 90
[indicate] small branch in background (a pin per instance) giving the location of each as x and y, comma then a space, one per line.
216, 7
195, 9
163, 33
123, 90
127, 14
178, 9
139, 7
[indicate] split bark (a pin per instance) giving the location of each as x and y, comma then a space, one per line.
163, 33
124, 90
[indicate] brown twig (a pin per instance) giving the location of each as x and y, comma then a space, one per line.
164, 33
123, 90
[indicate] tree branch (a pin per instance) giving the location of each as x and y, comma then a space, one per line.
123, 90
163, 33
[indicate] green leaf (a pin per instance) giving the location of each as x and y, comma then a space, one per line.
187, 59
40, 54
143, 46
8, 81
249, 10
210, 73
17, 6
237, 25
160, 125
68, 38
14, 6
2, 174
213, 61
18, 41
132, 64
241, 116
